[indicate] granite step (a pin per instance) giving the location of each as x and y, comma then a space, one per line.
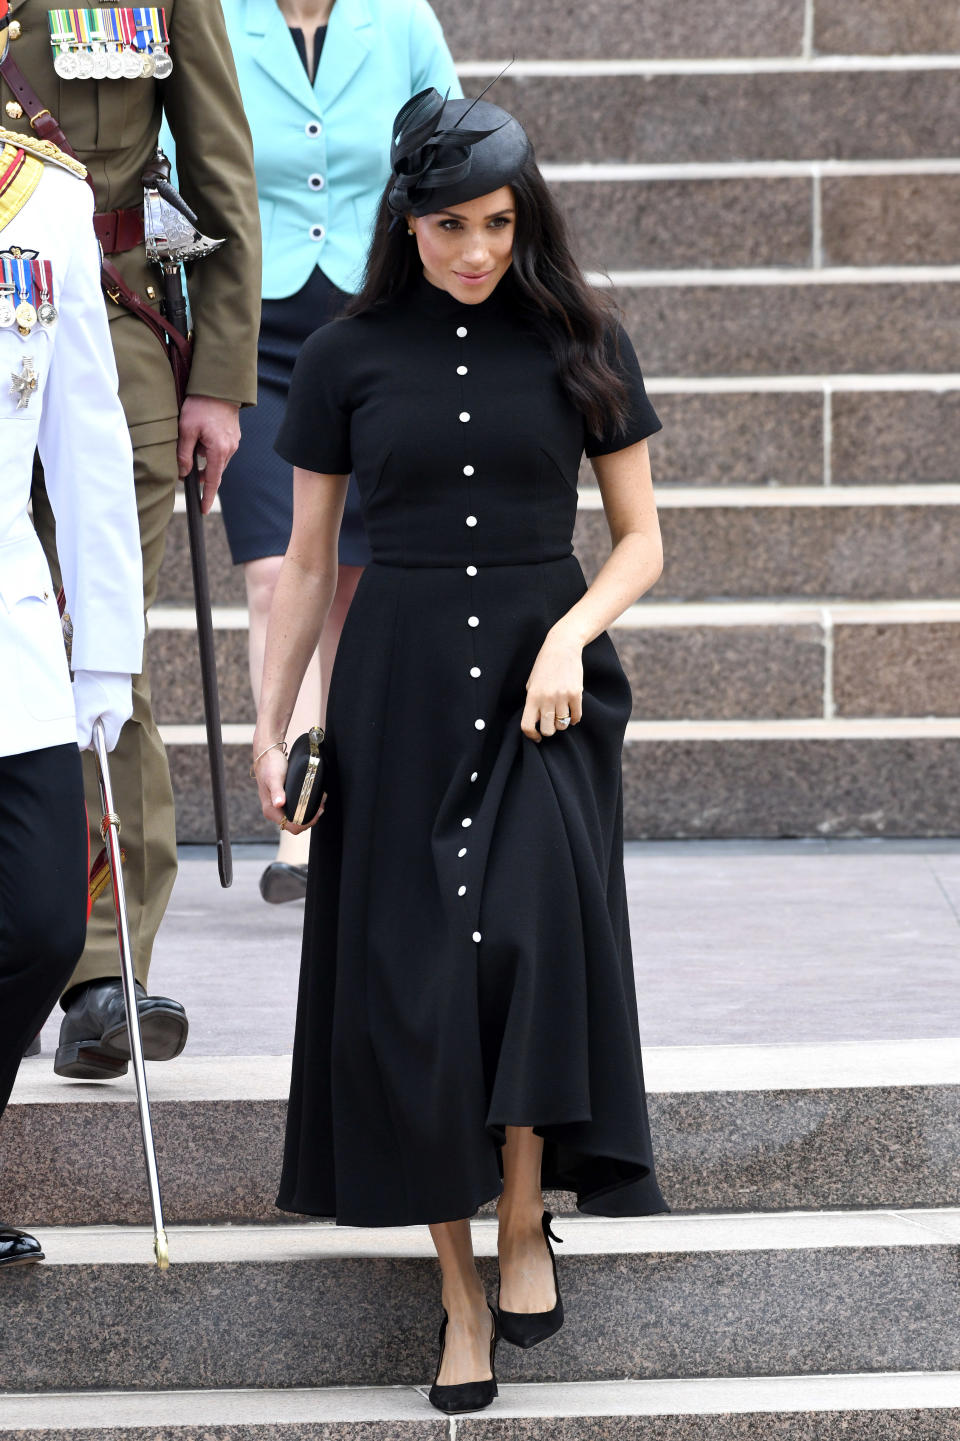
667, 221
654, 1298
905, 1406
699, 779
813, 110
561, 29
684, 661
882, 543
769, 1128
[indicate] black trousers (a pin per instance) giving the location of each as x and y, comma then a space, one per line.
43, 892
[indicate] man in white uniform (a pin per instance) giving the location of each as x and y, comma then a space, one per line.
58, 394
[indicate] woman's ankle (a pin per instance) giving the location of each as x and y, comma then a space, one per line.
519, 1215
463, 1298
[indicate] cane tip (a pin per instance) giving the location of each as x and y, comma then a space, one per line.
161, 1252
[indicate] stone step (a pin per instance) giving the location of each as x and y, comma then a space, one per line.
885, 27
757, 323
561, 29
903, 1406
318, 1305
811, 110
669, 221
731, 543
735, 1127
699, 779
684, 661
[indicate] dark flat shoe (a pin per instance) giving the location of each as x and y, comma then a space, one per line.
281, 882
529, 1328
469, 1395
94, 1045
17, 1248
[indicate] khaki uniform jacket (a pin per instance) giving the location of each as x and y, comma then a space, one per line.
113, 127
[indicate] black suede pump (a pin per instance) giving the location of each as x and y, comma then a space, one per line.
469, 1395
526, 1329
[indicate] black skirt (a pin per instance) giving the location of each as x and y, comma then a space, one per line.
466, 953
257, 495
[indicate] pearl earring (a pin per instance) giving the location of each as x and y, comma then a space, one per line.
409, 231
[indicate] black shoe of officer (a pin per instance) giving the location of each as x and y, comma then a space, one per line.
93, 1034
17, 1248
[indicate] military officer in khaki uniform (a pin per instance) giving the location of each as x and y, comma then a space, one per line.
112, 126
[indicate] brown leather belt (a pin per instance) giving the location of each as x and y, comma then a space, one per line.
119, 230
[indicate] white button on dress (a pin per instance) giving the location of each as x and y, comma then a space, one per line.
313, 128
316, 182
462, 332
474, 776
466, 822
477, 937
475, 671
471, 520
468, 470
471, 570
462, 852
479, 725
461, 370
462, 891
317, 232
473, 621
464, 416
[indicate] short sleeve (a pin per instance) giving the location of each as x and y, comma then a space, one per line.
642, 420
315, 434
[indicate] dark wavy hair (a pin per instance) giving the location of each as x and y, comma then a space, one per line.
576, 321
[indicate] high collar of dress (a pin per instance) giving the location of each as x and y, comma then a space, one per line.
441, 305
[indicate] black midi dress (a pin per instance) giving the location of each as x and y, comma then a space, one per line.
466, 952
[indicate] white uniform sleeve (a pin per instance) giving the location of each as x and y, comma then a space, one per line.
88, 466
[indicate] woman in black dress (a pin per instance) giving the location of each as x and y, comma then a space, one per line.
467, 1021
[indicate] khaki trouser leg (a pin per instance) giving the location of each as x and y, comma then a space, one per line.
138, 767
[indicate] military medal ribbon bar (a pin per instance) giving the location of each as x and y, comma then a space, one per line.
110, 42
26, 293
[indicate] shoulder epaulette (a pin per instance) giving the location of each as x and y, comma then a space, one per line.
43, 150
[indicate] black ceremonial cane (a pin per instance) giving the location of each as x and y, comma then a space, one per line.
172, 237
109, 828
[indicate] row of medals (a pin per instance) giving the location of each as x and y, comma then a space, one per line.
25, 316
100, 63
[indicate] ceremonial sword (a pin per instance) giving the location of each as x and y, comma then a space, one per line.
173, 236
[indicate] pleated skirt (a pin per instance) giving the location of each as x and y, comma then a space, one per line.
466, 954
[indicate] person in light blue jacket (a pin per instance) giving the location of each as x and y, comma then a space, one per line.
321, 82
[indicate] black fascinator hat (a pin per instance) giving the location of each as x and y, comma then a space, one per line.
437, 161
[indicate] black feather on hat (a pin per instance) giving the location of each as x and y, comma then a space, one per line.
437, 163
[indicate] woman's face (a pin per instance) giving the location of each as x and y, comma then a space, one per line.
467, 250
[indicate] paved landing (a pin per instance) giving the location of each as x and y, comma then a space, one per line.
735, 943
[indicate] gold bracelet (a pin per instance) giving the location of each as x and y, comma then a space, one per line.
280, 744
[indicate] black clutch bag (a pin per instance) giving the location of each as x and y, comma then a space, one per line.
306, 770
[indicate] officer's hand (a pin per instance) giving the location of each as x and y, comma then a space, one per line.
101, 695
209, 430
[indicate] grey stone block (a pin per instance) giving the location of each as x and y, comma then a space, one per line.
175, 583
756, 1426
869, 552
175, 684
562, 29
372, 1320
842, 115
794, 329
891, 220
80, 1164
895, 437
723, 672
791, 787
670, 224
746, 439
886, 27
190, 772
891, 670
